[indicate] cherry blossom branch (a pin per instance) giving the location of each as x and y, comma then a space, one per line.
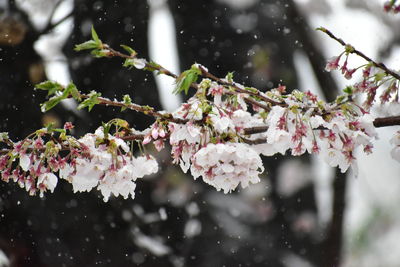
147, 110
352, 50
378, 123
156, 67
147, 65
238, 89
387, 121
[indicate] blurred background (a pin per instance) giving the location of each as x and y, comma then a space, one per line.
302, 214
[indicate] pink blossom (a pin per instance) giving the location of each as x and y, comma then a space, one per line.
349, 73
333, 63
68, 126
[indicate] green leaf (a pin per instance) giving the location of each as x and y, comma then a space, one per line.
91, 101
51, 103
185, 80
229, 77
95, 37
73, 91
340, 99
152, 66
251, 89
129, 50
129, 63
106, 129
91, 44
348, 90
4, 136
379, 76
100, 52
50, 86
127, 101
121, 123
50, 127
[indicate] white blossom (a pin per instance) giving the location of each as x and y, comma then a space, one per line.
24, 162
49, 180
225, 166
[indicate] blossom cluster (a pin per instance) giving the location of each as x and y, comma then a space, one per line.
391, 6
95, 160
373, 79
219, 134
213, 142
225, 166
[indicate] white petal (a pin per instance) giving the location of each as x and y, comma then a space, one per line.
24, 162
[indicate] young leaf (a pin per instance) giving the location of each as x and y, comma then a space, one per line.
129, 50
127, 101
95, 37
152, 66
51, 103
49, 86
185, 80
4, 136
348, 90
73, 91
106, 129
91, 101
229, 77
87, 45
100, 53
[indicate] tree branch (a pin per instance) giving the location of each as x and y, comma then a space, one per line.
379, 65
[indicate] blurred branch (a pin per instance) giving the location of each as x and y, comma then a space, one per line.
57, 4
50, 26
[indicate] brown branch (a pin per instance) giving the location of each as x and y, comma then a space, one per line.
379, 65
206, 74
256, 93
132, 137
157, 67
147, 110
387, 121
251, 101
378, 123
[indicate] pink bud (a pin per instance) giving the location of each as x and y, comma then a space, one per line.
161, 133
154, 133
159, 144
68, 126
146, 140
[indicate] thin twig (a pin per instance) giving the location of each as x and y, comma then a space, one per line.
256, 93
147, 110
379, 65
